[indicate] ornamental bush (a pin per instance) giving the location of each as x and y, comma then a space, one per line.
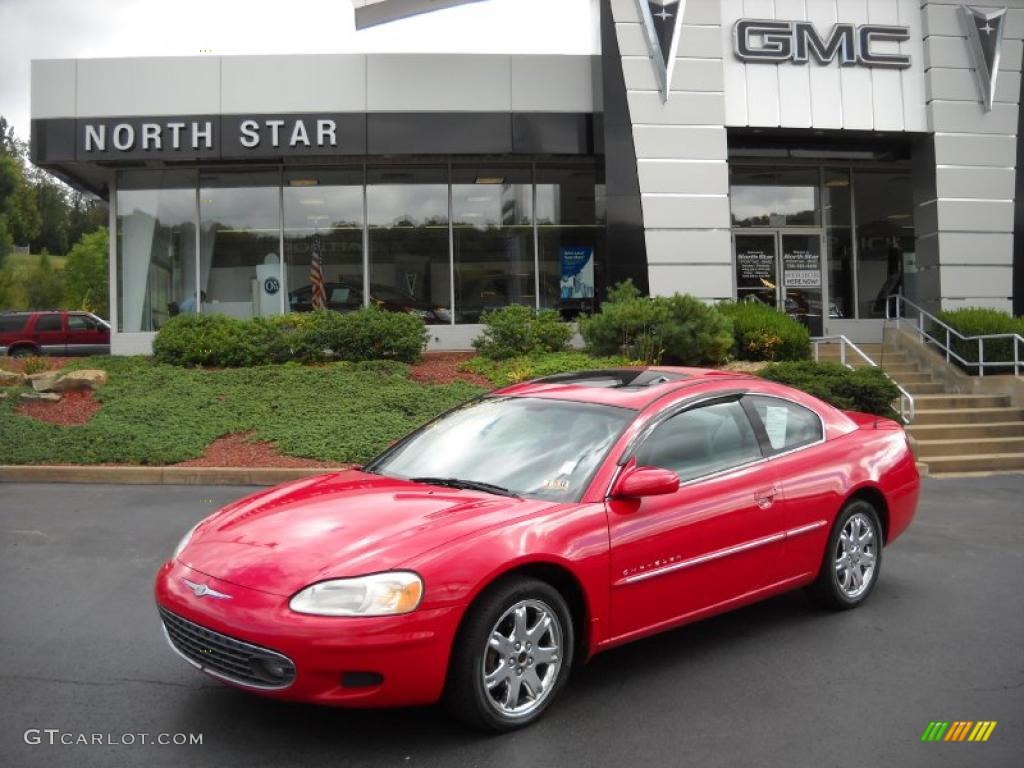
866, 389
676, 329
979, 321
218, 340
516, 330
763, 333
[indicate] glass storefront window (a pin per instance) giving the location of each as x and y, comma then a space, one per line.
240, 243
492, 221
774, 197
407, 218
570, 236
323, 239
885, 236
156, 248
839, 239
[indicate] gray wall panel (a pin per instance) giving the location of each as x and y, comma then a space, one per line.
688, 246
975, 149
150, 86
975, 215
961, 85
683, 212
993, 248
53, 88
970, 182
438, 83
668, 141
552, 83
684, 177
326, 83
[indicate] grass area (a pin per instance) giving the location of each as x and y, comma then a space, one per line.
514, 370
159, 414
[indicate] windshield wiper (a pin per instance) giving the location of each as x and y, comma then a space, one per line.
471, 485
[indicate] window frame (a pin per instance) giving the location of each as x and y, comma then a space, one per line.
61, 325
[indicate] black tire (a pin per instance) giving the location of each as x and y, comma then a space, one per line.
466, 696
22, 351
829, 590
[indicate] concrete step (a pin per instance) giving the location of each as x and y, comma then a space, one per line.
912, 378
994, 429
946, 401
968, 415
928, 388
929, 449
981, 462
896, 368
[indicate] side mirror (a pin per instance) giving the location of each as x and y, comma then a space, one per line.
646, 481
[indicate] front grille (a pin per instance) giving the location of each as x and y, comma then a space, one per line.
228, 658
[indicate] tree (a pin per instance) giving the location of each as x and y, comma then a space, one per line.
86, 283
52, 203
44, 285
17, 202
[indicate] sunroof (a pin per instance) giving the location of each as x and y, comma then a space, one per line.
616, 378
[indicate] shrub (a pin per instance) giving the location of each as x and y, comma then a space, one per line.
764, 333
860, 389
517, 330
979, 321
86, 277
35, 364
677, 329
516, 369
218, 340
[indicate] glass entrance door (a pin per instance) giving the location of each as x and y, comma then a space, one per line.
782, 268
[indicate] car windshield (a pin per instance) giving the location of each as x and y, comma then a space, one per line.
531, 447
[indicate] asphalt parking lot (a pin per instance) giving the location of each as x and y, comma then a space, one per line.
780, 683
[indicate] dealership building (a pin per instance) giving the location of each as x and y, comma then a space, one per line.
816, 155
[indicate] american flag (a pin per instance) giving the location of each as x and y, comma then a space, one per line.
316, 276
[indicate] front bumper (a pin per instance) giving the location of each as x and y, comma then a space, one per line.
342, 661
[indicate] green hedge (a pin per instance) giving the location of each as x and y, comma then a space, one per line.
517, 330
764, 333
867, 389
514, 370
311, 337
677, 330
978, 321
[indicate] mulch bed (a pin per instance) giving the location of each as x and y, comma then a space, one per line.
237, 451
18, 363
443, 368
73, 410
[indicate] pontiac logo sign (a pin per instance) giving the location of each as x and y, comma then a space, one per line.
984, 31
773, 42
662, 19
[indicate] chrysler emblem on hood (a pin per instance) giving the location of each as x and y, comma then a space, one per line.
203, 590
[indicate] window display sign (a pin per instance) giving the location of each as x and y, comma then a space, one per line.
577, 272
755, 268
801, 269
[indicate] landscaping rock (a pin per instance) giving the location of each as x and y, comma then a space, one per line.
3, 395
43, 382
84, 379
50, 396
11, 378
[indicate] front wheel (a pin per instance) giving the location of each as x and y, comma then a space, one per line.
511, 657
852, 559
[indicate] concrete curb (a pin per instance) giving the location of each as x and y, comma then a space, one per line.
156, 475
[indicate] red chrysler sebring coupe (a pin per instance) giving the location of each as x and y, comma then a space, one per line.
481, 557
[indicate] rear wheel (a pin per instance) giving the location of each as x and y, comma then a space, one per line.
852, 559
511, 657
22, 351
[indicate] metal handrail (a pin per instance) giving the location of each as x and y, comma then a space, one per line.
901, 302
908, 408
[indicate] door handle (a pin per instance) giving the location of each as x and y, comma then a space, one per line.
765, 498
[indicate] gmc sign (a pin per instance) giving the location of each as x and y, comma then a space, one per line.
763, 40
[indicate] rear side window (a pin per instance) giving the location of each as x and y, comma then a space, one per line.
48, 323
81, 323
11, 323
787, 425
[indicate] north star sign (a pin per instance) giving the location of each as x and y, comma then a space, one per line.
772, 42
198, 135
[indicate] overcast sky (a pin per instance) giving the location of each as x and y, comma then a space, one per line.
48, 29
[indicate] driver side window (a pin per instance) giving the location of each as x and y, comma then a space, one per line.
701, 441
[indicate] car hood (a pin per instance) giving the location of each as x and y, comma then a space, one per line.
331, 526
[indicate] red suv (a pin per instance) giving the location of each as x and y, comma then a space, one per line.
53, 332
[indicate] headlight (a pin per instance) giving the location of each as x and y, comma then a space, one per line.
382, 594
184, 541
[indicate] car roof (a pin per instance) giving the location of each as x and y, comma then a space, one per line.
634, 388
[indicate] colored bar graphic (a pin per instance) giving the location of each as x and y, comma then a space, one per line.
958, 730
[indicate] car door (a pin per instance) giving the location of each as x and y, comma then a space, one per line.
86, 336
715, 540
49, 333
804, 466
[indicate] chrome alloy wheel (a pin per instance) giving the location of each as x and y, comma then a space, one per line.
856, 555
523, 658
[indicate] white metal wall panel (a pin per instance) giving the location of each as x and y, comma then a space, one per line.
912, 80
438, 83
886, 84
763, 96
315, 83
734, 73
186, 85
794, 81
53, 88
826, 82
